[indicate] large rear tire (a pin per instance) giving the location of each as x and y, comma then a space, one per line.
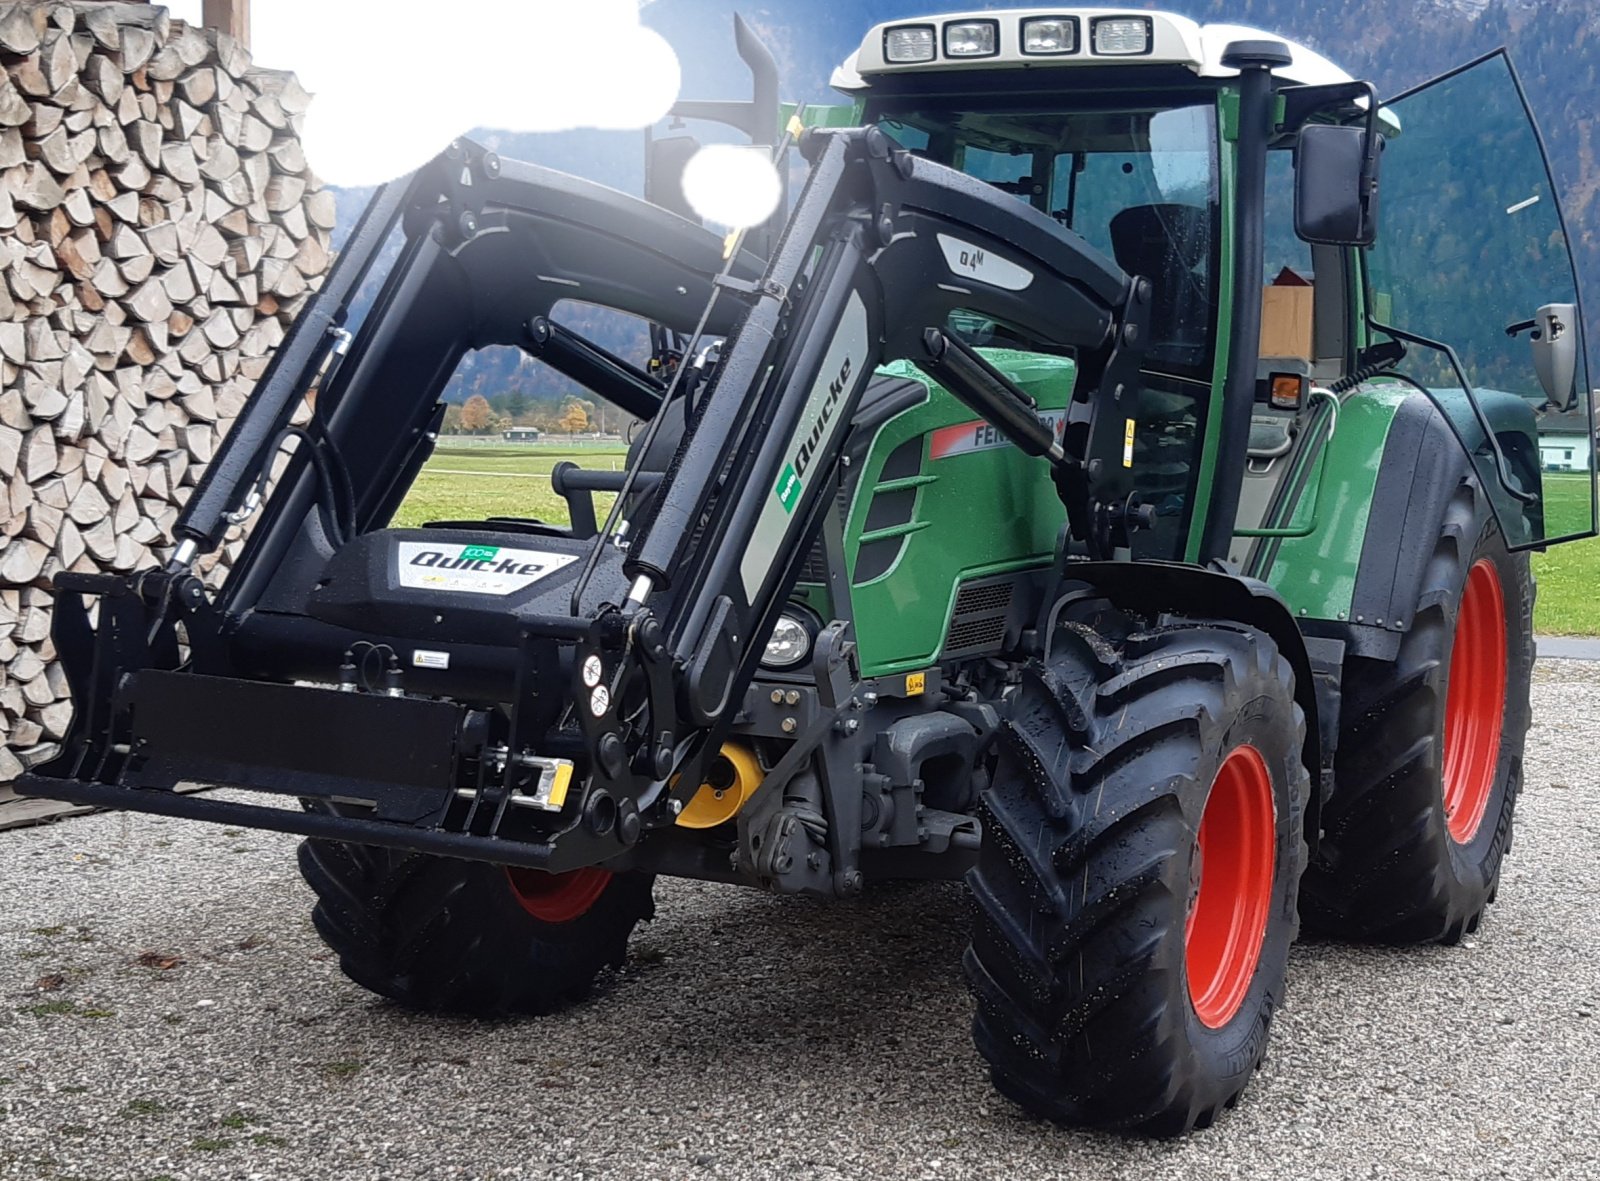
436, 933
1135, 893
1429, 762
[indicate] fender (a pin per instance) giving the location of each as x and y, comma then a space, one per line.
1151, 588
1393, 464
1423, 464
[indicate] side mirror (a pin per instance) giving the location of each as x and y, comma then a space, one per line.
1336, 185
665, 160
1555, 352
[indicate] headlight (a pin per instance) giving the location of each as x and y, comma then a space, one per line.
1047, 36
790, 642
1121, 36
971, 39
908, 43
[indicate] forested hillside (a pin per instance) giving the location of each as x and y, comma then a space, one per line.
1555, 44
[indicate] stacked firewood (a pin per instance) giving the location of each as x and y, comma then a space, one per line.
159, 230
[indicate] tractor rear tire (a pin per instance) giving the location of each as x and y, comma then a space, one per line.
440, 934
1135, 891
1429, 762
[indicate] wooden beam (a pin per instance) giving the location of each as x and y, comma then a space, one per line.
229, 16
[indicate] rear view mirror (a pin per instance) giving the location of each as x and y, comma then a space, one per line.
1336, 185
665, 162
1555, 352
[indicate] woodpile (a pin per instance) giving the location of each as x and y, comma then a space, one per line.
159, 230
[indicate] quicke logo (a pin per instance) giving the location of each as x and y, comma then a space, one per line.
478, 559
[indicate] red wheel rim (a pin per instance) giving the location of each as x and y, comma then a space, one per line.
1475, 703
558, 897
1231, 887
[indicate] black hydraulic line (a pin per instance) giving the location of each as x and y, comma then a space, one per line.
204, 519
988, 393
1255, 61
608, 375
705, 452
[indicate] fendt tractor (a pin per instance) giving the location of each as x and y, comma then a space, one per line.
1074, 491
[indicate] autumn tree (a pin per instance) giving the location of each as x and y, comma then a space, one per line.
574, 419
476, 416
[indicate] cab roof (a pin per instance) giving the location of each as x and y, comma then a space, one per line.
1172, 40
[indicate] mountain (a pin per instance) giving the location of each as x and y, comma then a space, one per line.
1554, 43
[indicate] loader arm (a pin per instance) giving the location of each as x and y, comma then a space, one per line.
553, 717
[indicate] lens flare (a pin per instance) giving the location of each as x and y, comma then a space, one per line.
732, 186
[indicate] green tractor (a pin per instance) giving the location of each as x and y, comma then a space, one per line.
1076, 492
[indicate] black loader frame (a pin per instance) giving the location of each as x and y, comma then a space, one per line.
603, 691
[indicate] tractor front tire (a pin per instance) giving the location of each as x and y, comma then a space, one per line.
1429, 762
1135, 892
440, 934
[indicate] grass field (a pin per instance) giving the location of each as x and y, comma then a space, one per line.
1569, 575
469, 482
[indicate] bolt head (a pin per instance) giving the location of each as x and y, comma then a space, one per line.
790, 725
792, 697
777, 697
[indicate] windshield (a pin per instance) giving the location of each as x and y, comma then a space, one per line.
1139, 185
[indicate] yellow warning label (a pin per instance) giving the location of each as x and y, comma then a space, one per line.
916, 684
558, 789
795, 127
1127, 444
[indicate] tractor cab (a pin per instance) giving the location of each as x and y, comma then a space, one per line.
1274, 275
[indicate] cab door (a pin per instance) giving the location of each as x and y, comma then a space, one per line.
1473, 272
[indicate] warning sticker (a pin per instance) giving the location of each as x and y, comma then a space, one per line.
967, 437
475, 569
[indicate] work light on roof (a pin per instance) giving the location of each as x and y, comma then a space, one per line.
1049, 36
972, 39
1121, 36
909, 43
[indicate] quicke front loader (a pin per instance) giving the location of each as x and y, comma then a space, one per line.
988, 520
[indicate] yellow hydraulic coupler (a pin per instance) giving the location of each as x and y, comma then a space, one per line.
733, 776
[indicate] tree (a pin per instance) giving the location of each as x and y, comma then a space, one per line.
513, 403
452, 420
574, 419
476, 415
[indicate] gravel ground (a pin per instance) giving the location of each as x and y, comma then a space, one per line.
168, 1012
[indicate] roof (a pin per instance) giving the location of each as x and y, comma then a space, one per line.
1567, 422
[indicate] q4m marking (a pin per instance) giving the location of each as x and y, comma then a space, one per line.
966, 437
820, 420
974, 262
474, 569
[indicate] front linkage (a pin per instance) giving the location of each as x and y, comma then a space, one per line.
552, 738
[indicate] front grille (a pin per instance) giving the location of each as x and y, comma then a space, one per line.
978, 624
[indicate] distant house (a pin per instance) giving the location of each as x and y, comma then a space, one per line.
1565, 442
522, 434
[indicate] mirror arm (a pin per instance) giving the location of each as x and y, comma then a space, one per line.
1369, 159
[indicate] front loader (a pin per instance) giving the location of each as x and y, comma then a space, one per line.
989, 522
